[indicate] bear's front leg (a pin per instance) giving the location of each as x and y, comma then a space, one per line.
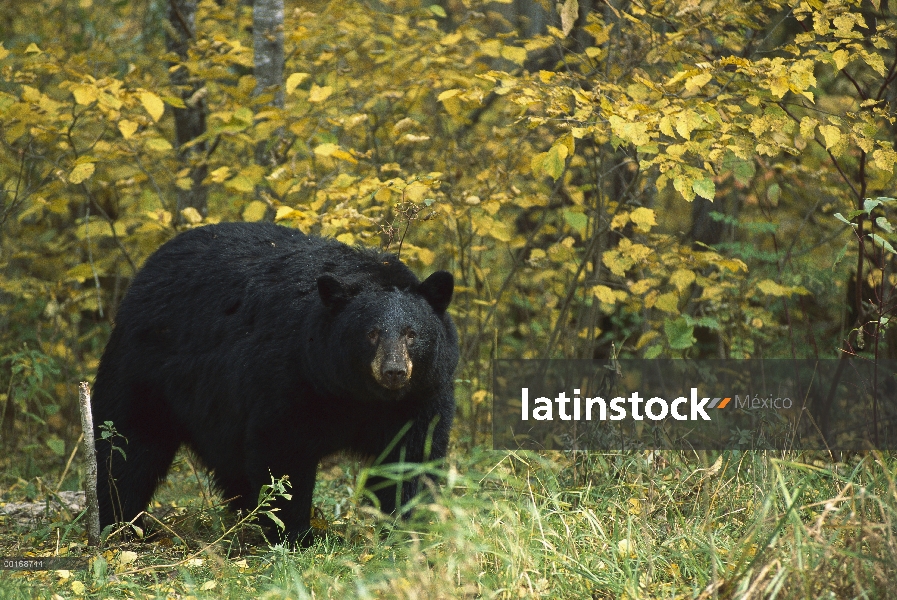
426, 440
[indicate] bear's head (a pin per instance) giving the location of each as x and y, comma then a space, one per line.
390, 334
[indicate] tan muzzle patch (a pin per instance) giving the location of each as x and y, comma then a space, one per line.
391, 366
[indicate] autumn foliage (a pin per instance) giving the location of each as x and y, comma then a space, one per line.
564, 176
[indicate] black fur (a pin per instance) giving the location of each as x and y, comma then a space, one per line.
224, 343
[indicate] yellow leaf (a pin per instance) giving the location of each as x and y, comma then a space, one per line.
33, 49
153, 104
604, 294
448, 94
569, 142
319, 94
808, 127
31, 94
626, 549
514, 54
191, 215
771, 288
841, 58
343, 155
284, 212
884, 159
693, 84
666, 126
211, 584
844, 24
451, 39
684, 185
255, 211
643, 285
240, 183
158, 144
668, 302
635, 133
81, 172
536, 255
500, 231
831, 134
326, 149
109, 100
682, 278
636, 252
127, 128
732, 264
644, 218
383, 195
491, 48
425, 255
3, 51
646, 338
614, 261
876, 62
686, 122
554, 161
220, 174
778, 86
620, 220
294, 81
415, 191
84, 94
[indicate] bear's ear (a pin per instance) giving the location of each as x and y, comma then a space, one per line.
333, 292
437, 289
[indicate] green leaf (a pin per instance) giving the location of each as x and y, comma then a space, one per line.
552, 163
577, 221
884, 224
744, 170
653, 351
841, 254
56, 445
841, 218
680, 334
869, 205
704, 188
882, 242
773, 193
437, 10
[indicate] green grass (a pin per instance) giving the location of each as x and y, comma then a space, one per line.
521, 525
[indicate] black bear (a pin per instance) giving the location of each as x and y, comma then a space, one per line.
264, 350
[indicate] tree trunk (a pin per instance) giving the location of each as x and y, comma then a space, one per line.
267, 34
189, 122
90, 468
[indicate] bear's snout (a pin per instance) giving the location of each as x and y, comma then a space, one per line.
391, 366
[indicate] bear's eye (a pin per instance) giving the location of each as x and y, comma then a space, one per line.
410, 334
373, 335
